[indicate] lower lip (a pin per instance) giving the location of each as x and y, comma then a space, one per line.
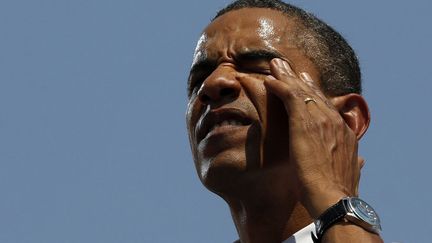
226, 130
223, 138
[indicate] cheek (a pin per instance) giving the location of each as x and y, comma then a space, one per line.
256, 92
191, 120
192, 116
188, 116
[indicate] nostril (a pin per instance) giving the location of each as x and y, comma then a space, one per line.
226, 92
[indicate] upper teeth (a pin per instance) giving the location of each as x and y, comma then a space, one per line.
228, 122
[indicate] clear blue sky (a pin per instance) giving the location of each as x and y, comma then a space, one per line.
93, 145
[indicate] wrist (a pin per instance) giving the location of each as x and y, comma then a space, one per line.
319, 199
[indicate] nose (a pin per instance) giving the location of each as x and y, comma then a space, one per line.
220, 87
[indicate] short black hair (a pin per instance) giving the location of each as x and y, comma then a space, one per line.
326, 48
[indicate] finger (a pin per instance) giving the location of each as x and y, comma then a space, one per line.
325, 104
307, 79
281, 69
321, 110
285, 85
332, 114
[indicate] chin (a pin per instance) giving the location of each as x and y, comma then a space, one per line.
222, 168
227, 172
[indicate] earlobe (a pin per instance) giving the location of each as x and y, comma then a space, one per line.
354, 110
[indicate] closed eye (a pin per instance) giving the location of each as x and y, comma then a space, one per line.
198, 73
195, 82
263, 69
256, 61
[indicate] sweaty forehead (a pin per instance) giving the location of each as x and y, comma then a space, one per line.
243, 29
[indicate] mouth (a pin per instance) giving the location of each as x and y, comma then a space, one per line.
219, 119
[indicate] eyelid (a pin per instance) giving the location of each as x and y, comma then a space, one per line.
196, 79
255, 66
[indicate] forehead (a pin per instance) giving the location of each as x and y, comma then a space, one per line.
244, 29
246, 18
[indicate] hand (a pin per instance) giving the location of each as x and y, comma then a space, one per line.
322, 147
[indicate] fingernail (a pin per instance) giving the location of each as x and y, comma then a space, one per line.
279, 62
270, 77
288, 68
284, 65
306, 77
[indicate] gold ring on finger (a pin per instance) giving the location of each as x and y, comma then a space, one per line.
309, 99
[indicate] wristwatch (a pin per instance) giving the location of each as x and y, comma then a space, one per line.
354, 210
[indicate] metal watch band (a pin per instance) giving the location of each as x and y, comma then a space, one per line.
328, 218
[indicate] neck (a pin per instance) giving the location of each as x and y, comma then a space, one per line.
267, 215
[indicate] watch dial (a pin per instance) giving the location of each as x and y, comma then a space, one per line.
364, 211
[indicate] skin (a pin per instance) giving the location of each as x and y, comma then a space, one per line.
283, 161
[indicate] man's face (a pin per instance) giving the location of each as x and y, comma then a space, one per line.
236, 128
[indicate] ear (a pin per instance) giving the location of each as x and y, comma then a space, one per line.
354, 110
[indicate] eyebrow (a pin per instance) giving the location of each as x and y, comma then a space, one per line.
249, 55
257, 55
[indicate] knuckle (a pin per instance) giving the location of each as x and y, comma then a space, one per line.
286, 93
324, 121
298, 93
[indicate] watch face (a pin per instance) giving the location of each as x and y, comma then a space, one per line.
364, 211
